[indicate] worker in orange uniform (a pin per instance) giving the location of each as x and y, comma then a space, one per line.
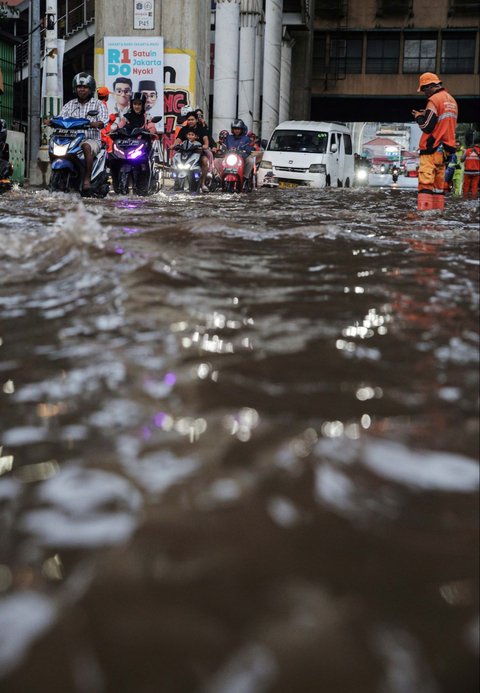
437, 122
471, 174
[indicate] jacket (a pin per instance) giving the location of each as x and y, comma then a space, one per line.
242, 143
438, 124
472, 160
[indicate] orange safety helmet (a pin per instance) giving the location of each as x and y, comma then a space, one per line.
428, 78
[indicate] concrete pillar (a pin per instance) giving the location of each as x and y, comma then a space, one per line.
249, 15
285, 79
301, 86
271, 66
225, 79
183, 24
258, 78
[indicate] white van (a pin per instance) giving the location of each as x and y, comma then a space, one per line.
305, 152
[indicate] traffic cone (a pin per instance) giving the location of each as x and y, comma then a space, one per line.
424, 201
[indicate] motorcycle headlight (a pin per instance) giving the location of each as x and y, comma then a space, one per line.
362, 174
231, 160
265, 164
118, 151
60, 149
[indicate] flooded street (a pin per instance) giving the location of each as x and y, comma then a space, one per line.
239, 443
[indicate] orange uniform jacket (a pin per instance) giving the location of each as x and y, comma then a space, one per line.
472, 160
444, 106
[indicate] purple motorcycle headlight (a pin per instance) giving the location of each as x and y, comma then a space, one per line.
136, 152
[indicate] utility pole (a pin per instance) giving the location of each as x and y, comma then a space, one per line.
52, 94
52, 89
34, 87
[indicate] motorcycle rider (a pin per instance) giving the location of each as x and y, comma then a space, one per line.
136, 116
202, 135
238, 140
84, 88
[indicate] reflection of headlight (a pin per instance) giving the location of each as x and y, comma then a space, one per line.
231, 159
362, 174
60, 149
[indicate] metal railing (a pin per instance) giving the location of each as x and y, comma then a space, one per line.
76, 16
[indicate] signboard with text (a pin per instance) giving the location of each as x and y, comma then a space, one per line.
134, 64
143, 14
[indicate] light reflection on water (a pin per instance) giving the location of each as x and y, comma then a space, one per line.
253, 421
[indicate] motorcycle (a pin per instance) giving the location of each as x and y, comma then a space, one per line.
233, 173
135, 159
6, 171
395, 174
68, 160
186, 168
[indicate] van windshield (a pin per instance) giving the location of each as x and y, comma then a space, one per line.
307, 141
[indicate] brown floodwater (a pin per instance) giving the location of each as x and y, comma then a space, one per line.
239, 443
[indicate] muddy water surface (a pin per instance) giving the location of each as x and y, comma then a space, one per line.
239, 444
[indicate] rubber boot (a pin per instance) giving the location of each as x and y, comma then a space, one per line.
424, 201
438, 202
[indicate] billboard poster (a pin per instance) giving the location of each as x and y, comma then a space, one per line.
134, 64
179, 86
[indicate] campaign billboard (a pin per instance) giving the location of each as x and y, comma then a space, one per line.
133, 64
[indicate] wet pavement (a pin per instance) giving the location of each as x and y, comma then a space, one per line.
239, 443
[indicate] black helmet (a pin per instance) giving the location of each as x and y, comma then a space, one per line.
238, 123
83, 79
3, 130
138, 96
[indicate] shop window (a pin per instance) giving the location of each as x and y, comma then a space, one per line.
458, 52
383, 53
420, 52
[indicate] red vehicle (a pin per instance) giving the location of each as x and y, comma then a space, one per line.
232, 173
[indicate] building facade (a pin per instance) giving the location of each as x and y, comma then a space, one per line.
367, 56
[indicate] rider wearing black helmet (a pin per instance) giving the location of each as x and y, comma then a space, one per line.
135, 117
84, 88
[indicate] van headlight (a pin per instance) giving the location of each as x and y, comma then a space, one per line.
317, 168
265, 164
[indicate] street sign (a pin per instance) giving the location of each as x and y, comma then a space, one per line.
143, 14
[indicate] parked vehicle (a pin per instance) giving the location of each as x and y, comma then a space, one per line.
68, 162
134, 161
186, 169
308, 153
